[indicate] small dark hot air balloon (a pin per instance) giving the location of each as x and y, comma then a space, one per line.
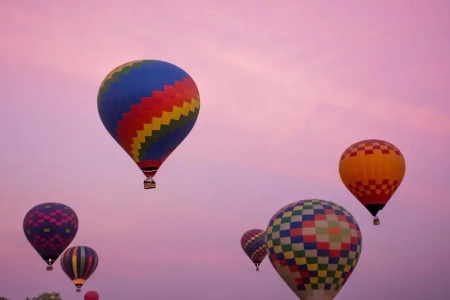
79, 263
253, 243
372, 170
91, 295
314, 245
50, 228
148, 107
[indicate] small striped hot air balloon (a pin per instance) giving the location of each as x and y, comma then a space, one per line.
254, 245
148, 107
79, 263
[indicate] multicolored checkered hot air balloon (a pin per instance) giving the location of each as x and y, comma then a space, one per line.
91, 295
253, 243
148, 107
372, 170
50, 228
79, 263
314, 245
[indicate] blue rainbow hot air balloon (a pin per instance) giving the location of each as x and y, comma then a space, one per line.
148, 107
253, 242
50, 228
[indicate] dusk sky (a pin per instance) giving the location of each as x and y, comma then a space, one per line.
285, 87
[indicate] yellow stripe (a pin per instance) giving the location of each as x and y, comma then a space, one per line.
156, 123
257, 250
253, 238
79, 281
74, 264
118, 69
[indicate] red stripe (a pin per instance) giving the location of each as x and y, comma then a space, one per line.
153, 107
373, 199
67, 253
149, 163
89, 267
152, 163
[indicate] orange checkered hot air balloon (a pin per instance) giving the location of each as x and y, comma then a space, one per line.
372, 171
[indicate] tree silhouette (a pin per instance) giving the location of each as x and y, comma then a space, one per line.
3, 298
45, 296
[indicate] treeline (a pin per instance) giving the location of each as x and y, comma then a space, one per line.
44, 296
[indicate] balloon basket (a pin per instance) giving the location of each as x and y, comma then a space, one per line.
376, 221
78, 290
257, 268
49, 268
149, 183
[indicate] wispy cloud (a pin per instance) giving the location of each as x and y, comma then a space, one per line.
285, 89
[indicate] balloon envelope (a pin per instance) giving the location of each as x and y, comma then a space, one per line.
314, 245
148, 107
50, 228
91, 295
253, 243
79, 263
372, 170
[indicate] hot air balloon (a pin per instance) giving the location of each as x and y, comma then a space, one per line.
148, 107
79, 263
50, 228
372, 171
253, 243
91, 295
314, 245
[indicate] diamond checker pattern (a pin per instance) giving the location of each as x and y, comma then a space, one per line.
50, 228
314, 245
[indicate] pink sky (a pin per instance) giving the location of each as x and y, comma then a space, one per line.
285, 86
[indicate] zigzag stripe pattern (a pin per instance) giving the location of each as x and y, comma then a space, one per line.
253, 243
115, 75
160, 137
259, 254
163, 108
148, 107
149, 135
